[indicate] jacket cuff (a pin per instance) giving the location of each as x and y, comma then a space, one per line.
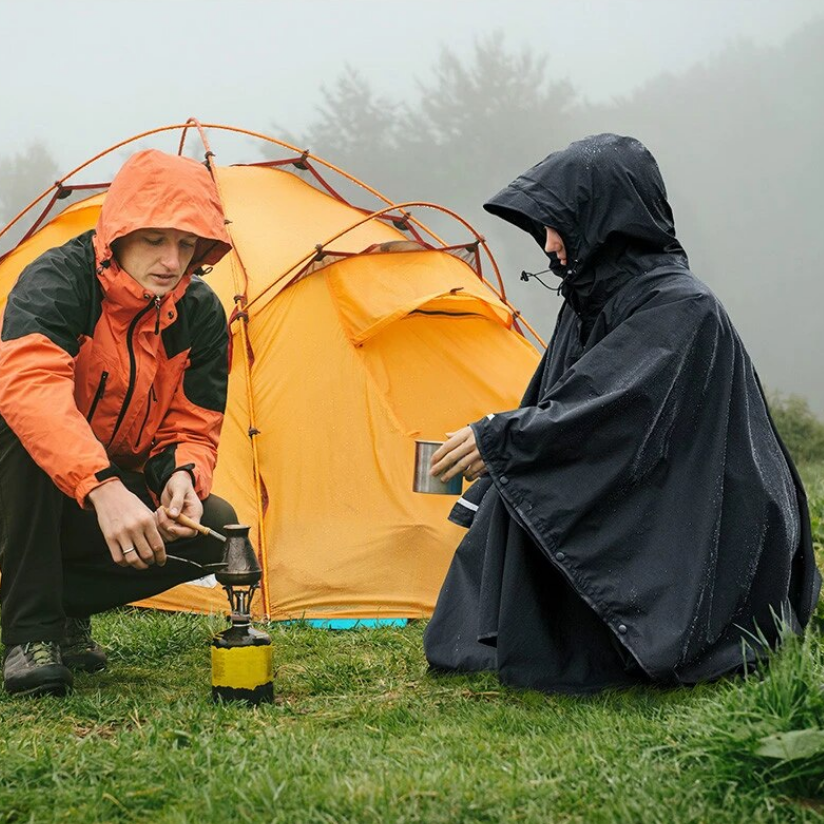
159, 469
189, 468
110, 473
463, 513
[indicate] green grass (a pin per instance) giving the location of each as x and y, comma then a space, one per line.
361, 733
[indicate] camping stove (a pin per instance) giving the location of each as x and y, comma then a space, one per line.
241, 654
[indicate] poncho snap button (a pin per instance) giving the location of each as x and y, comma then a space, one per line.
504, 480
622, 628
560, 556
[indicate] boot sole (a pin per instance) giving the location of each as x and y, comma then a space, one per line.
84, 663
58, 688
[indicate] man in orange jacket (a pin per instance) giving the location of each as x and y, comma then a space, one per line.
113, 376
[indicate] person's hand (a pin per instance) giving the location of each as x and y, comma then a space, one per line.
128, 526
459, 455
178, 497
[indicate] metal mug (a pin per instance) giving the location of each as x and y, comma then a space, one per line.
424, 482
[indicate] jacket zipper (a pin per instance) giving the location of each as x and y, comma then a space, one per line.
157, 309
132, 370
152, 397
101, 388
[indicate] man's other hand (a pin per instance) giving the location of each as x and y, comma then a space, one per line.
178, 497
128, 526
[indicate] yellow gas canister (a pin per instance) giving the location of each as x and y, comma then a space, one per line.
242, 665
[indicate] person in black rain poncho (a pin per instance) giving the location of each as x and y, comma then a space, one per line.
637, 519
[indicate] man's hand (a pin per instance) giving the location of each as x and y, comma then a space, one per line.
459, 455
178, 497
128, 526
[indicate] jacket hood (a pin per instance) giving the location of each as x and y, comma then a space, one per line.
606, 198
161, 191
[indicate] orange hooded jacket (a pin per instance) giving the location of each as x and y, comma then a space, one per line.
98, 374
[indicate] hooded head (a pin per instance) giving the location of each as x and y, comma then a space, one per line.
155, 190
605, 196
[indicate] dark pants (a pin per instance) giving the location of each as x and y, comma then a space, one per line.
55, 562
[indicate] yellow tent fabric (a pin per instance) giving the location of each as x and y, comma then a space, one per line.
344, 367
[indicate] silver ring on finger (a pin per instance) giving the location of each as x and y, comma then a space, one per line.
130, 549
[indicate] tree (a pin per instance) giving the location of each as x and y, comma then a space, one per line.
23, 177
478, 122
487, 113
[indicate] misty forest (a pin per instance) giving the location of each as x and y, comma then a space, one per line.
737, 138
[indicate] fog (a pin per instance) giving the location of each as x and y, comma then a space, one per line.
726, 95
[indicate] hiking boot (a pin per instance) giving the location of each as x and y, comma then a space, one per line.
78, 649
36, 668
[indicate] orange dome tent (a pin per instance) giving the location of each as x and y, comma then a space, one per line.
354, 332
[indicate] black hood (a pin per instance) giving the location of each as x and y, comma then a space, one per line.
606, 198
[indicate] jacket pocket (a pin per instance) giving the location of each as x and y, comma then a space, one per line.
101, 388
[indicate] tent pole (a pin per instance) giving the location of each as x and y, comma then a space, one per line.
479, 239
201, 127
242, 315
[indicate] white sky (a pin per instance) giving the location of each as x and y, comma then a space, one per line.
80, 75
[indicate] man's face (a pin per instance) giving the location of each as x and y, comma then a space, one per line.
156, 258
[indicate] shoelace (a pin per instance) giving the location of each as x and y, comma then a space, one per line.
42, 652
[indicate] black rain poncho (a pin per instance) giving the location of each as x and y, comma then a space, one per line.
641, 517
